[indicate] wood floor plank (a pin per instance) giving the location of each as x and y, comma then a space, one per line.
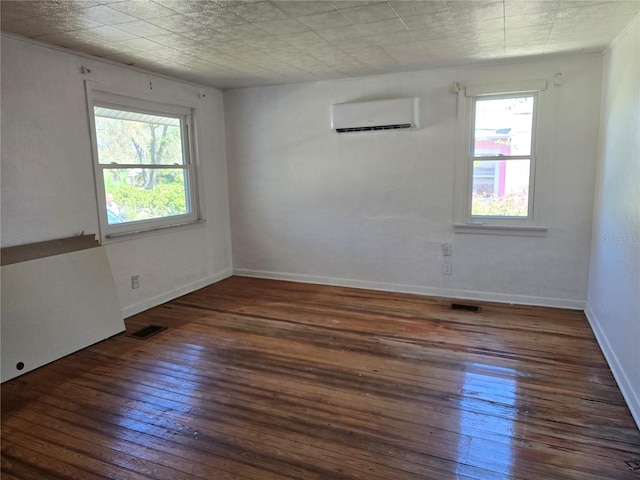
162, 428
60, 462
598, 407
23, 468
192, 387
162, 447
267, 380
165, 375
124, 453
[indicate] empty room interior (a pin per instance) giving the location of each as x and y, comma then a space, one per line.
274, 239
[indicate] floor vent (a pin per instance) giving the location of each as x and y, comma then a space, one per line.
634, 465
466, 308
147, 332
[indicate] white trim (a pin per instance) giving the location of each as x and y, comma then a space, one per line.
147, 101
626, 387
479, 228
415, 289
508, 88
152, 230
175, 293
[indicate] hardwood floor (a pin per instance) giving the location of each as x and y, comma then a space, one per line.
258, 379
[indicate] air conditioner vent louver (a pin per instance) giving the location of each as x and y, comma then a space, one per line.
380, 127
394, 114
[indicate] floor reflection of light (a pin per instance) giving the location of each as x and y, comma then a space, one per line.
487, 411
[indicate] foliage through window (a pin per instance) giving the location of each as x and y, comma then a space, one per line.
144, 172
502, 155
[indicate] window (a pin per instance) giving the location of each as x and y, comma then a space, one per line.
502, 156
144, 172
498, 161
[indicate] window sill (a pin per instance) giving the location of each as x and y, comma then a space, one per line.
522, 231
134, 234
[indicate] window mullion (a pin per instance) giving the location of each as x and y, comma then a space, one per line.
143, 165
502, 157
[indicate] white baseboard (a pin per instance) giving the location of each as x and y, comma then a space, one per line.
625, 385
175, 293
416, 289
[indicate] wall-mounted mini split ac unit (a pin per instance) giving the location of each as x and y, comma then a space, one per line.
393, 114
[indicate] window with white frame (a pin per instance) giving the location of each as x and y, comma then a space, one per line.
143, 164
502, 156
497, 173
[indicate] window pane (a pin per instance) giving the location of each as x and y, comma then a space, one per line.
126, 137
134, 194
500, 188
503, 126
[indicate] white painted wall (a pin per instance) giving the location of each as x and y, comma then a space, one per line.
613, 302
47, 174
372, 209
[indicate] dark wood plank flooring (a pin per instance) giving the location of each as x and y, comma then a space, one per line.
258, 379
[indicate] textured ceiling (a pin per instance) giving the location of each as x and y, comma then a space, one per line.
228, 44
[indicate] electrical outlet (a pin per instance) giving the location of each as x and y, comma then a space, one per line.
446, 249
135, 282
446, 269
